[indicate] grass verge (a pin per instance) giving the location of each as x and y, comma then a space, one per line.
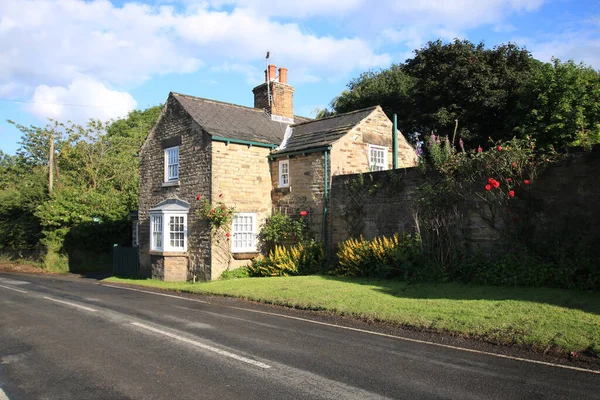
538, 318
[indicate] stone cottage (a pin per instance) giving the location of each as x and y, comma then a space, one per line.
258, 160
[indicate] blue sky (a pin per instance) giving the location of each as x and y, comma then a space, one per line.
75, 60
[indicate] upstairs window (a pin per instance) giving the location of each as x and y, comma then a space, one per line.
243, 231
172, 164
284, 173
377, 158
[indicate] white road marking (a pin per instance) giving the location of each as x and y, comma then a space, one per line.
3, 395
447, 346
16, 290
14, 282
157, 294
70, 304
202, 345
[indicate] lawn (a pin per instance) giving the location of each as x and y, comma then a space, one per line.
537, 318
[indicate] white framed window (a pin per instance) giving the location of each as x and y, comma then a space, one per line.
377, 158
176, 229
284, 173
156, 242
136, 234
172, 164
243, 229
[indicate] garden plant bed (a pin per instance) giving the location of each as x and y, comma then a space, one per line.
548, 321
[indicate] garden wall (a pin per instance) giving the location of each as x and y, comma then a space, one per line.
564, 203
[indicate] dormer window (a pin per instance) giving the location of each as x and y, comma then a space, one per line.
284, 173
168, 226
172, 164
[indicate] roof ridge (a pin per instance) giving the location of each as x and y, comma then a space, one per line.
231, 104
338, 115
218, 101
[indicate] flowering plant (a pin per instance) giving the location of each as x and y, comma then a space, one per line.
217, 214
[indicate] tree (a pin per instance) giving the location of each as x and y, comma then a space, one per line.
560, 104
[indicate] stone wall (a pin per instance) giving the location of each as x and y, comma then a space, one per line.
194, 178
371, 204
241, 175
305, 191
563, 206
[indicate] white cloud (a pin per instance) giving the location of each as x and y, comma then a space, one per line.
83, 99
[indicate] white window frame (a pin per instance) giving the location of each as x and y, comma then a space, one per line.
235, 234
374, 165
283, 176
164, 232
172, 164
136, 234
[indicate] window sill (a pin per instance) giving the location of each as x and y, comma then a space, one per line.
283, 190
247, 255
168, 253
171, 183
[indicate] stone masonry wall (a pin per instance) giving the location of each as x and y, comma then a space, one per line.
305, 191
563, 200
241, 174
380, 205
350, 154
194, 178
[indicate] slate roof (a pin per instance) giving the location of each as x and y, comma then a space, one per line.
323, 132
233, 121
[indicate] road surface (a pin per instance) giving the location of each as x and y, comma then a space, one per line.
66, 338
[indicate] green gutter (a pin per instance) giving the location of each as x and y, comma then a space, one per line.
325, 198
395, 141
295, 153
246, 142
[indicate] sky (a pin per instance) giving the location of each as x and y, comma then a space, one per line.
75, 60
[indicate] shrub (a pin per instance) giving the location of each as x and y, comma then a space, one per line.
382, 257
241, 272
281, 230
302, 259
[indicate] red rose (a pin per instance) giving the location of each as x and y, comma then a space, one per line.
488, 187
511, 193
479, 149
499, 148
198, 197
227, 234
213, 211
509, 180
303, 213
514, 165
527, 181
496, 184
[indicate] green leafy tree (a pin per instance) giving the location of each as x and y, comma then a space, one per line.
560, 104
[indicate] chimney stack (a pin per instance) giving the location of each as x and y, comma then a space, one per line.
283, 75
281, 102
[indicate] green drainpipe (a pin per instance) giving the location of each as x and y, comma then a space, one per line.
395, 141
325, 198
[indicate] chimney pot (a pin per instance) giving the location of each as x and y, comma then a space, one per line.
283, 75
272, 72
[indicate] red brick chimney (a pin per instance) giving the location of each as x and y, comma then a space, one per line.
275, 95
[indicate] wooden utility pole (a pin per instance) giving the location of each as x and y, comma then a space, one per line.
51, 164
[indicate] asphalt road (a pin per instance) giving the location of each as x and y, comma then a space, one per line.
78, 339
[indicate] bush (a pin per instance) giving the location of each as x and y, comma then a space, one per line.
281, 230
241, 272
302, 259
382, 257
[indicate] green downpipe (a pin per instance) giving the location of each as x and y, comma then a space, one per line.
325, 198
395, 141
